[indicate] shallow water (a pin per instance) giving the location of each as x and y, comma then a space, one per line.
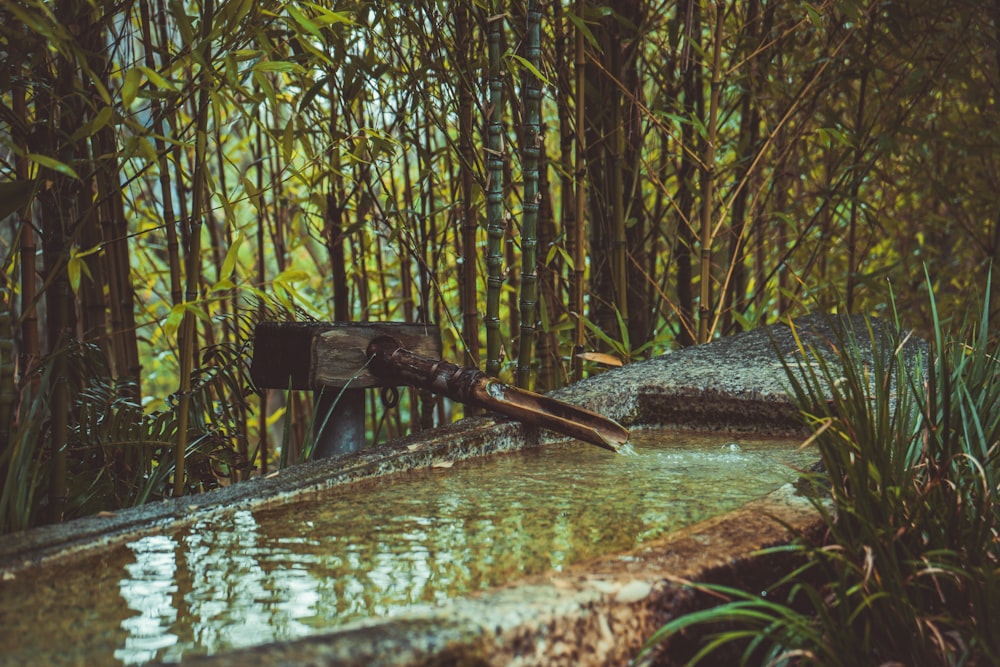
367, 551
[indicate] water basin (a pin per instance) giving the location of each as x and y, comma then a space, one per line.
375, 548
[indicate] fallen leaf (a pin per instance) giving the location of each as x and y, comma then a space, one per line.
600, 358
443, 464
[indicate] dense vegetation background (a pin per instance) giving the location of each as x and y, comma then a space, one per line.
174, 171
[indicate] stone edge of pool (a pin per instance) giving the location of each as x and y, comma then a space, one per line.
598, 612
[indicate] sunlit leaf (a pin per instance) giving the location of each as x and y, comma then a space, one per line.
814, 16
173, 320
600, 358
328, 17
303, 20
277, 66
94, 125
130, 86
229, 263
53, 164
157, 79
523, 62
291, 276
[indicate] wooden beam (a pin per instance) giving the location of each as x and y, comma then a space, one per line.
310, 355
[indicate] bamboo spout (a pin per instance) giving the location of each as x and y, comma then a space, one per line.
471, 386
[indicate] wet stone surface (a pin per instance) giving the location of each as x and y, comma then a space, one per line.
737, 383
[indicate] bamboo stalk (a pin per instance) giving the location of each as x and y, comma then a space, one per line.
470, 227
619, 249
263, 446
705, 307
59, 217
494, 200
579, 236
335, 203
162, 152
187, 342
27, 249
532, 152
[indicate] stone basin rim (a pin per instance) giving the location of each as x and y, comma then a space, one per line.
593, 613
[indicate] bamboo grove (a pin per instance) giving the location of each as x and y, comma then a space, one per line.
552, 183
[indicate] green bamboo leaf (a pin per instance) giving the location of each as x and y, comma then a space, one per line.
222, 285
328, 17
288, 140
73, 271
130, 87
94, 125
531, 68
157, 79
814, 16
229, 263
183, 21
277, 66
76, 267
231, 13
289, 276
199, 312
313, 91
53, 164
360, 150
303, 20
579, 24
173, 321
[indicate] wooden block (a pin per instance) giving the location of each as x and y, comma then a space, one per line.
339, 353
309, 355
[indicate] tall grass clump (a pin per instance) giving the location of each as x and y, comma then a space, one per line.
908, 572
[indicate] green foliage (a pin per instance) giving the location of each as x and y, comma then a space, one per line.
121, 454
908, 570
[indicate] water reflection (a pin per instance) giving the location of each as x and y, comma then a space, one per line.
148, 588
215, 586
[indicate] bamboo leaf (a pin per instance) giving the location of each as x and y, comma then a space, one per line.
328, 17
290, 276
600, 358
73, 271
288, 140
53, 164
94, 125
313, 91
303, 20
531, 68
157, 79
277, 66
130, 86
815, 17
183, 21
579, 24
173, 321
229, 263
